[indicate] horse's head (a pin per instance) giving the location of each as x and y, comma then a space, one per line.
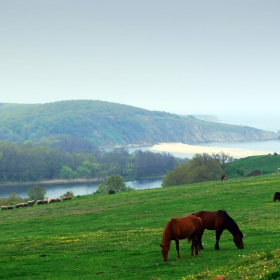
238, 240
164, 250
276, 196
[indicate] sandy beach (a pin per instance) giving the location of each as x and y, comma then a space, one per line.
193, 149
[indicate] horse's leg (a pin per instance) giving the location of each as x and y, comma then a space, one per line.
218, 235
178, 249
193, 245
196, 244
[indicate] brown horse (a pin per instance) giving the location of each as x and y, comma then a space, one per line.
276, 196
223, 177
219, 221
180, 228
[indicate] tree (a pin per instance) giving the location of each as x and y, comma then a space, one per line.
114, 183
223, 158
36, 193
177, 176
201, 168
66, 172
204, 167
83, 172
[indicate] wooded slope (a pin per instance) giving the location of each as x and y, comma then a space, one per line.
104, 124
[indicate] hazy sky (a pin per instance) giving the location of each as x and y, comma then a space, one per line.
179, 56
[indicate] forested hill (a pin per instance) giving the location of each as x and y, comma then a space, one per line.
104, 124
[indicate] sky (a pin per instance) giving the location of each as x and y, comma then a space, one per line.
182, 56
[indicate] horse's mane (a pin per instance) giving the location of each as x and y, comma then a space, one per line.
233, 227
166, 237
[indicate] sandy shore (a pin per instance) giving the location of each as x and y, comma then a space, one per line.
192, 149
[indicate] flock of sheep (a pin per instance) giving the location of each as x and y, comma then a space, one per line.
32, 202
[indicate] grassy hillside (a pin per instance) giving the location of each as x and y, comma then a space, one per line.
105, 124
118, 236
267, 164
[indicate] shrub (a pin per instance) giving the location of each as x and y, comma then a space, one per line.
68, 193
113, 184
36, 193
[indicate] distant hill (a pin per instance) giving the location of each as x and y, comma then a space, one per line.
254, 166
208, 118
87, 123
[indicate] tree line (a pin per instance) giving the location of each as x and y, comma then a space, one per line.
201, 168
31, 163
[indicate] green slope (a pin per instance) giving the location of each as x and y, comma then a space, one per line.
118, 236
267, 164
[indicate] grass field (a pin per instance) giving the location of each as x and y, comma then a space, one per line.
267, 164
117, 236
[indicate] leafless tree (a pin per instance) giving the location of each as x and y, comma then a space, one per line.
223, 158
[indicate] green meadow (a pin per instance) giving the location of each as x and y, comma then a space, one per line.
102, 236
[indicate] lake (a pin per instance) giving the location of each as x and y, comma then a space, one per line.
58, 190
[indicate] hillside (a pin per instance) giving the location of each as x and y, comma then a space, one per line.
104, 124
266, 164
101, 236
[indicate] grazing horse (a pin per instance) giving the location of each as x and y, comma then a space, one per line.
180, 228
223, 177
276, 196
219, 221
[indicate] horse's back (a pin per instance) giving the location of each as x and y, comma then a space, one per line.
210, 219
186, 226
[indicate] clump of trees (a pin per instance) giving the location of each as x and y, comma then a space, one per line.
33, 163
201, 168
113, 184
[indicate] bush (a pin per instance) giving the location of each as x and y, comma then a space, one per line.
240, 171
68, 193
11, 200
113, 184
111, 192
36, 193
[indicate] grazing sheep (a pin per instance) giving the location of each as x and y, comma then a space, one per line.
30, 202
11, 207
4, 208
19, 205
40, 202
52, 200
67, 197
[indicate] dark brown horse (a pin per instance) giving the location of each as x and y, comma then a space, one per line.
223, 177
180, 228
219, 221
276, 196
